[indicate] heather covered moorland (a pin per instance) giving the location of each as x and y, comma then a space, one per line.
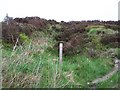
30, 53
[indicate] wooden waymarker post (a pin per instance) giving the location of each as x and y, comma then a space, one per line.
60, 52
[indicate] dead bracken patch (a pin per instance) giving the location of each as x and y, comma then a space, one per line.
19, 80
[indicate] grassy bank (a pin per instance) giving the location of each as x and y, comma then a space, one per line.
35, 64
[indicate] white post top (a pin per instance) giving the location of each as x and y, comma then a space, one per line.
61, 45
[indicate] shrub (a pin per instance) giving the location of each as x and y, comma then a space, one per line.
24, 37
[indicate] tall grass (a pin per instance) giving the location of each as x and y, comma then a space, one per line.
0, 62
34, 65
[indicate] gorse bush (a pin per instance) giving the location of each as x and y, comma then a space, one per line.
24, 38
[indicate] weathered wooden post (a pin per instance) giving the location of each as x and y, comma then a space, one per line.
60, 52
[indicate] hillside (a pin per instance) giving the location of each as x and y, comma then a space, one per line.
91, 53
